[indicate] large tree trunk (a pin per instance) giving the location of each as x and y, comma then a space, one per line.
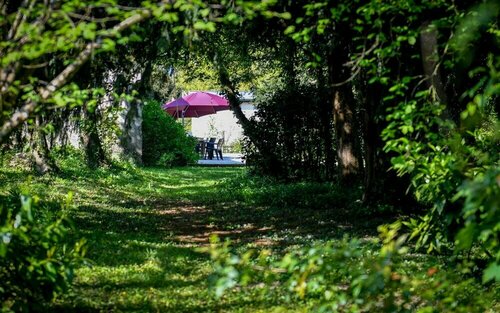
131, 131
344, 129
430, 61
94, 150
42, 161
343, 113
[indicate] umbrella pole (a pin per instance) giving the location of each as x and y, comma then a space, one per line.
183, 114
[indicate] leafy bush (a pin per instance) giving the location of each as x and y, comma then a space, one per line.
454, 170
454, 162
165, 142
292, 137
344, 277
35, 262
481, 214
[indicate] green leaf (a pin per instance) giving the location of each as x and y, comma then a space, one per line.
207, 26
471, 108
289, 30
3, 250
286, 15
108, 44
89, 31
492, 273
465, 237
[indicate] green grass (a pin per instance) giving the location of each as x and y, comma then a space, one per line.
144, 228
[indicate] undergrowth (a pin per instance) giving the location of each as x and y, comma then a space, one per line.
144, 229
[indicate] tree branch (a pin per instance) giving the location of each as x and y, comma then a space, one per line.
63, 77
356, 64
232, 96
20, 17
91, 19
60, 80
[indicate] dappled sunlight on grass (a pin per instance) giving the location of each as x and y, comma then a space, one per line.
144, 228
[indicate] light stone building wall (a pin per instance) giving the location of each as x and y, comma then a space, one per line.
124, 145
223, 123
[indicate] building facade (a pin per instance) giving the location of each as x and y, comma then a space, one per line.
223, 124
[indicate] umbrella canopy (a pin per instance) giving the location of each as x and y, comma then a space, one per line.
196, 104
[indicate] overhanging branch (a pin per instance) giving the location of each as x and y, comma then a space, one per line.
21, 115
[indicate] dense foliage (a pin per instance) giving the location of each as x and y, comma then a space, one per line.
298, 140
344, 277
445, 142
403, 96
383, 100
45, 44
165, 142
36, 261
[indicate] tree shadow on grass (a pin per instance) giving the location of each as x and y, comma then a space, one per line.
9, 176
189, 212
143, 228
192, 224
165, 277
143, 240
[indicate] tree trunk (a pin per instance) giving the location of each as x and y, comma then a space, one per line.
343, 117
430, 58
131, 136
42, 161
94, 150
234, 102
343, 113
248, 127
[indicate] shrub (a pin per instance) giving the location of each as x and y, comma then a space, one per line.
454, 161
292, 136
342, 276
165, 142
36, 264
454, 170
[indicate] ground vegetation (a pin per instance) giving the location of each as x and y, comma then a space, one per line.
371, 115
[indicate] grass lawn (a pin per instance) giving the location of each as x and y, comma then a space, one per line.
144, 228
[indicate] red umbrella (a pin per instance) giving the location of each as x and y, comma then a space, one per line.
196, 104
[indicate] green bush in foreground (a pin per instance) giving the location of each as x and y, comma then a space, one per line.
165, 142
454, 162
344, 277
35, 263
